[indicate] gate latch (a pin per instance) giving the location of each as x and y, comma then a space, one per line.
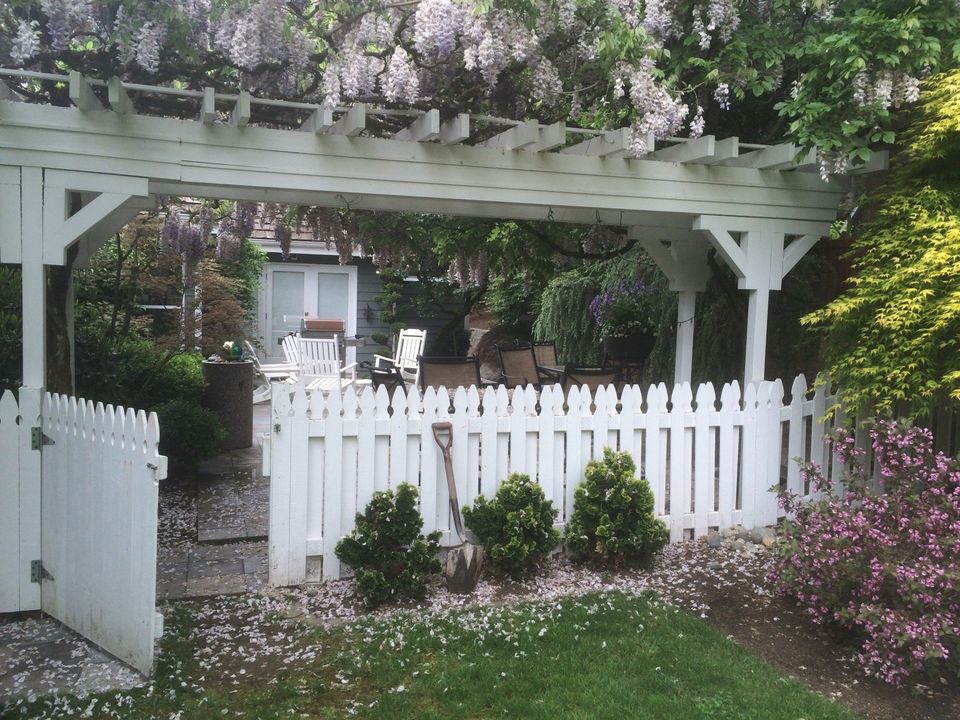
38, 572
38, 439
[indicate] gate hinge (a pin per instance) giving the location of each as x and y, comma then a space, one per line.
38, 439
38, 572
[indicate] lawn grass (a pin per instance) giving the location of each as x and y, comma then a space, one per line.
598, 656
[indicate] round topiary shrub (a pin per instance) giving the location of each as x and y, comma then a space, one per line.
390, 557
613, 520
516, 527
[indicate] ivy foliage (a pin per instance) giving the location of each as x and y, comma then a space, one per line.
392, 559
613, 520
892, 338
516, 526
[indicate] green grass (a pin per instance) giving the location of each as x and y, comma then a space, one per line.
600, 656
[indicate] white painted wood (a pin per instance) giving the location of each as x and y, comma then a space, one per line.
755, 357
698, 150
81, 94
683, 355
518, 137
455, 130
796, 437
240, 115
9, 94
614, 143
11, 577
424, 129
208, 106
10, 214
319, 122
550, 137
117, 96
351, 123
775, 157
354, 446
33, 283
100, 492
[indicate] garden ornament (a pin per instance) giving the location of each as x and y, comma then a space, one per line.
464, 561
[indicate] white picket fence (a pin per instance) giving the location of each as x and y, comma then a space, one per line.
709, 466
95, 526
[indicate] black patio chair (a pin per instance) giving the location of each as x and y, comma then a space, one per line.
519, 367
449, 372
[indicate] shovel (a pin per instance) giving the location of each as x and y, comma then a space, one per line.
465, 560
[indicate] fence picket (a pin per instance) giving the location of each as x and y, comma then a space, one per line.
703, 497
332, 469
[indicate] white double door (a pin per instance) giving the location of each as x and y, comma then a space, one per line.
292, 293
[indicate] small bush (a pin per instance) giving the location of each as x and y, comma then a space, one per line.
188, 432
613, 520
516, 527
386, 550
884, 565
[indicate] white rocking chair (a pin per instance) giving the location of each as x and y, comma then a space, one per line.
264, 374
410, 345
320, 364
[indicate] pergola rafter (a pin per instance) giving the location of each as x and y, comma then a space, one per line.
747, 201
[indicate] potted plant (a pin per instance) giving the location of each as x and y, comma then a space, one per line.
624, 315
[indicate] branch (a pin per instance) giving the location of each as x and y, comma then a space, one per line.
577, 254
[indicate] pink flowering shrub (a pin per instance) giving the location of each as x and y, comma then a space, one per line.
883, 563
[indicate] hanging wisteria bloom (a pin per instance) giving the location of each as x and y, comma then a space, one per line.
436, 26
402, 81
722, 96
149, 40
26, 43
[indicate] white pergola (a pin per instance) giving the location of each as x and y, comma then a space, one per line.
76, 175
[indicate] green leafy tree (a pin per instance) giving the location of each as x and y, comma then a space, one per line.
892, 338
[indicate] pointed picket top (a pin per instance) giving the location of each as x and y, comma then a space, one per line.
573, 400
706, 397
49, 405
334, 405
9, 409
368, 404
131, 427
300, 402
443, 402
381, 399
503, 401
764, 389
530, 399
750, 396
414, 401
587, 400
350, 403
601, 401
473, 402
140, 432
153, 432
89, 419
459, 403
316, 406
682, 397
631, 399
519, 402
399, 401
489, 401
559, 399
62, 403
776, 393
730, 396
429, 401
100, 423
798, 390
546, 401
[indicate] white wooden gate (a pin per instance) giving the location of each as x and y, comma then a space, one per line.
709, 465
96, 530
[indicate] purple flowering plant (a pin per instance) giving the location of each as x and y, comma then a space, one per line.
624, 309
882, 563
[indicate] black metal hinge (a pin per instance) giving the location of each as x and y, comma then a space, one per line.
38, 439
38, 572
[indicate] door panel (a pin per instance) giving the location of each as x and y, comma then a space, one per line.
287, 306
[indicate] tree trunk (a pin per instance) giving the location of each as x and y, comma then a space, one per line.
60, 365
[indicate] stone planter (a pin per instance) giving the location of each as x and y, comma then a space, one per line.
632, 349
229, 393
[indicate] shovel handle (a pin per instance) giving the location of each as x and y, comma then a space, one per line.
441, 427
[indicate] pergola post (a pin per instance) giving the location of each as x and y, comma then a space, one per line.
682, 256
761, 254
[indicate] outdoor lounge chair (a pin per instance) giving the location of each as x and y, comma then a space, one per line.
389, 376
320, 364
449, 372
519, 367
410, 344
264, 374
592, 377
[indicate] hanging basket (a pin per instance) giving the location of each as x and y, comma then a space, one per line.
633, 349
